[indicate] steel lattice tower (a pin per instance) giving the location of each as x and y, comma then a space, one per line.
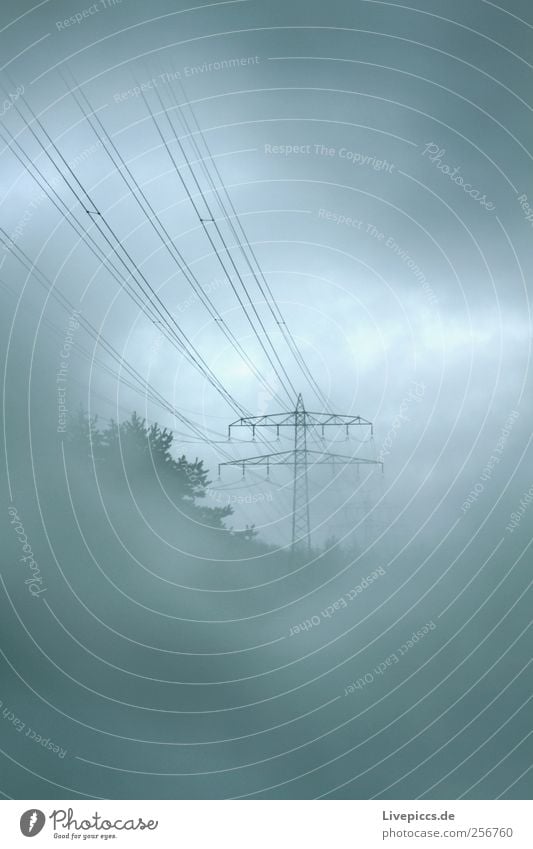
300, 457
301, 527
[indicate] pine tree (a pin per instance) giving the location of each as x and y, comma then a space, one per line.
140, 455
84, 435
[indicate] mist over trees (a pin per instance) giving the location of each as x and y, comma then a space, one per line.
138, 460
134, 460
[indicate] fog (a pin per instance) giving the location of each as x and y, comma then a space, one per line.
189, 196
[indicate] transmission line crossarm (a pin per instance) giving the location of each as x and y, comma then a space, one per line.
285, 458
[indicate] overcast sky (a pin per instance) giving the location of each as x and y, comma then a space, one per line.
377, 155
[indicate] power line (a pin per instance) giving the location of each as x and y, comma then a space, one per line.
149, 390
175, 334
163, 233
243, 240
270, 357
66, 212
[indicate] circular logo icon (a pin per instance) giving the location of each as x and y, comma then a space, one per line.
32, 822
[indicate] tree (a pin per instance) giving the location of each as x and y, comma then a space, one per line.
140, 455
84, 436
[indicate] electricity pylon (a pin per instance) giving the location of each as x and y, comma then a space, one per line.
300, 457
